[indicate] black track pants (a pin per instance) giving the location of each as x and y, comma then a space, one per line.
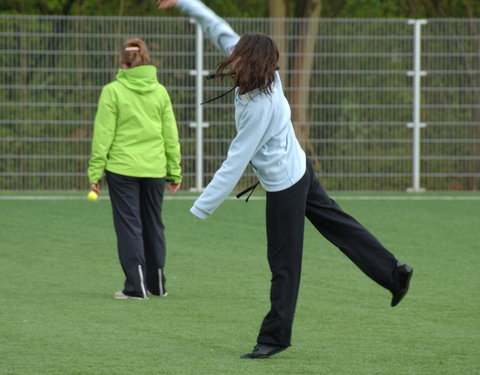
137, 207
285, 219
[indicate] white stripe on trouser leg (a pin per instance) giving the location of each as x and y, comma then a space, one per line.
141, 281
160, 281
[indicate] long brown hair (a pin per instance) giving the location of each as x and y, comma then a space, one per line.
253, 63
134, 53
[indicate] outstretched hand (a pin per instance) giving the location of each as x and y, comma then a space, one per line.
164, 4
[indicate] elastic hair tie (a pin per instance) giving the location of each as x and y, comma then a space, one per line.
132, 48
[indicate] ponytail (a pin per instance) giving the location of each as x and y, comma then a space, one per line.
134, 53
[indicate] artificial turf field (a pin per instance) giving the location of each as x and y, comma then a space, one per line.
59, 270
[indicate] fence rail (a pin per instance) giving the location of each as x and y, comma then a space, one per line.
350, 83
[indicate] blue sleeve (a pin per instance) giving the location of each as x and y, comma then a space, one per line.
216, 29
254, 121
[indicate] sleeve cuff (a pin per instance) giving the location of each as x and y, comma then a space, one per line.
173, 179
94, 180
180, 4
198, 212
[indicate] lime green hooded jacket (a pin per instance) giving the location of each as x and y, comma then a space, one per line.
135, 132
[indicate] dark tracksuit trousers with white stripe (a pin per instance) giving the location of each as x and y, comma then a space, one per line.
137, 207
285, 218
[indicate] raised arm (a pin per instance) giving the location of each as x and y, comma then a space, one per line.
217, 30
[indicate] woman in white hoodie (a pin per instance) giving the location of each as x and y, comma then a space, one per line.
266, 140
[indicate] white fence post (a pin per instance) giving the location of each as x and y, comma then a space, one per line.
416, 125
199, 73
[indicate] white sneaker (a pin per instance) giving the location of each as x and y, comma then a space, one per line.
121, 295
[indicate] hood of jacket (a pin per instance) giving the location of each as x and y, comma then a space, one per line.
141, 79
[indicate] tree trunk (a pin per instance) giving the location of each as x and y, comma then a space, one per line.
302, 72
278, 10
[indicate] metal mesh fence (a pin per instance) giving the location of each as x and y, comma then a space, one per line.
351, 107
51, 72
451, 105
346, 81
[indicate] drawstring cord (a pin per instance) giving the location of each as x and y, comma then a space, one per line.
249, 189
219, 96
213, 76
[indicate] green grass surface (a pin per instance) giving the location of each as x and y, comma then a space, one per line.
59, 270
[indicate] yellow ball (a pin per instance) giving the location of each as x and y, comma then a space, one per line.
92, 196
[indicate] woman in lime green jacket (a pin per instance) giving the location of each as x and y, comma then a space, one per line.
135, 143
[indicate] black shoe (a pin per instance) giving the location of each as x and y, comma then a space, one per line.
403, 273
264, 351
